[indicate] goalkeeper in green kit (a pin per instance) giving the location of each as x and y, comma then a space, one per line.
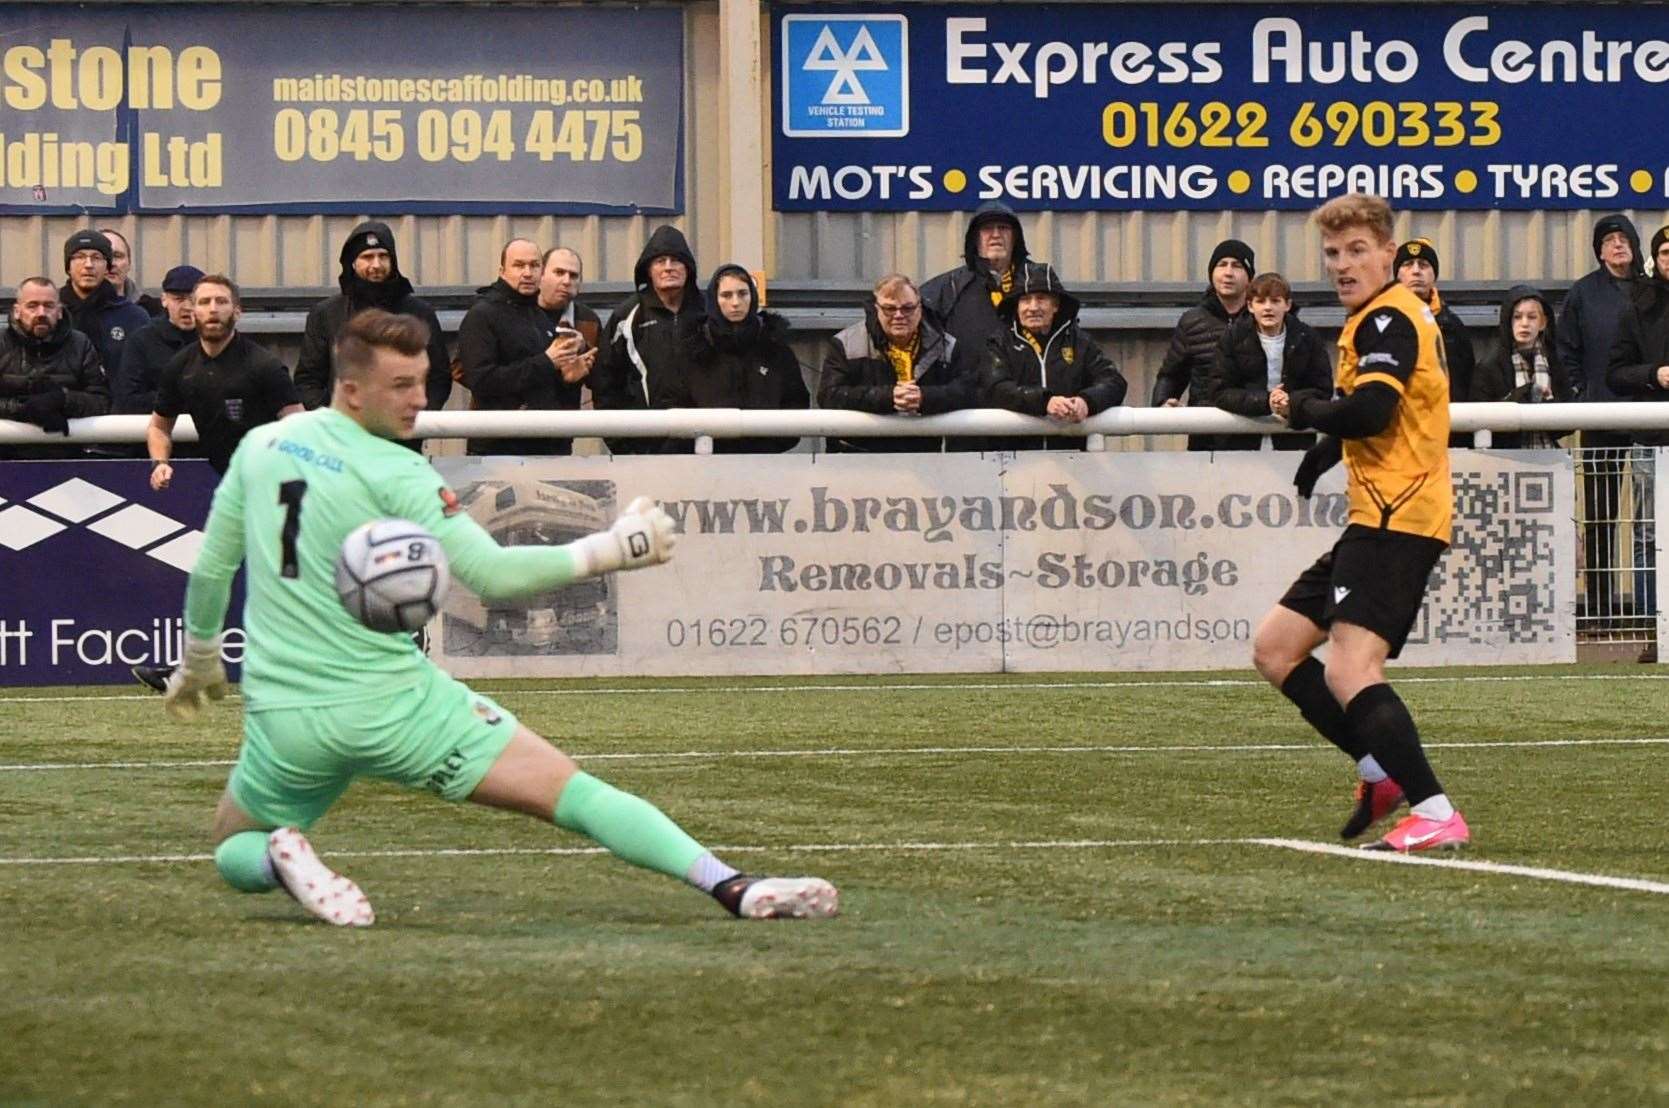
326, 699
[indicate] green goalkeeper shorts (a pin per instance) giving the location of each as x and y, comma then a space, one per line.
436, 735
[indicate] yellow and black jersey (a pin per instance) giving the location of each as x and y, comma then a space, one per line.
1399, 478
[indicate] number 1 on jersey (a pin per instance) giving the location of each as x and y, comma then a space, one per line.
289, 495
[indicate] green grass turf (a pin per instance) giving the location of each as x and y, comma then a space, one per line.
1002, 974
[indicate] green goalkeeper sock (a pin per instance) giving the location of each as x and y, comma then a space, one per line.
629, 826
242, 860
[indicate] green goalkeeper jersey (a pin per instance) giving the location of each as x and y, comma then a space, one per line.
293, 492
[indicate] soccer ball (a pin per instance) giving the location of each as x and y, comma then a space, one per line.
392, 575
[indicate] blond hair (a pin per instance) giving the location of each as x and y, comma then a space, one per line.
1355, 209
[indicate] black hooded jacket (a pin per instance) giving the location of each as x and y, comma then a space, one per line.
315, 373
651, 347
737, 365
1591, 315
1642, 346
959, 300
1015, 376
1240, 376
1192, 355
501, 355
858, 376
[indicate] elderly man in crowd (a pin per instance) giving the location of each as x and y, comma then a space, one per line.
894, 361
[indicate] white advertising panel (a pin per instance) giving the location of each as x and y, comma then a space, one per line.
985, 563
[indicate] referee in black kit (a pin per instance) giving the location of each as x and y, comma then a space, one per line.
227, 384
223, 381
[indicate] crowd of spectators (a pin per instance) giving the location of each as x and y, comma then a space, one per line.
997, 330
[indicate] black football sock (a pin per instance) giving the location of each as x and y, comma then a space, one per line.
1306, 686
1380, 717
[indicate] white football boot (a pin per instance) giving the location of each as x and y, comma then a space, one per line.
314, 885
779, 897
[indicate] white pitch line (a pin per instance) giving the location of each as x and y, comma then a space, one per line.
576, 851
1568, 877
917, 751
1538, 873
983, 686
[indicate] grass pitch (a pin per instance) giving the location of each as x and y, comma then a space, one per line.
1047, 899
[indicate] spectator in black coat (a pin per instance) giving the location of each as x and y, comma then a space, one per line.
963, 301
1526, 367
1416, 269
49, 371
148, 352
737, 356
642, 355
895, 362
1588, 324
1639, 370
1193, 351
513, 354
1266, 352
1043, 364
370, 278
94, 306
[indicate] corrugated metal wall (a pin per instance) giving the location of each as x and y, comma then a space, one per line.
300, 251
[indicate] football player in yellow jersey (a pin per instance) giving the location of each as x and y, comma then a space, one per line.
1389, 423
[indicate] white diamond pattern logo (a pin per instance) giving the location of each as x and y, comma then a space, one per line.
135, 525
20, 528
181, 553
75, 500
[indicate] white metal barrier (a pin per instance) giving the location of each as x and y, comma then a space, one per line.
721, 423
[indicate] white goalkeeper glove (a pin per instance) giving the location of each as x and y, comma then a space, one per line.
643, 536
197, 678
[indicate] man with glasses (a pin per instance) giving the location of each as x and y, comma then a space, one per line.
894, 362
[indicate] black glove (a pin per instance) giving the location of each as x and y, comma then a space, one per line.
1296, 400
46, 411
1318, 459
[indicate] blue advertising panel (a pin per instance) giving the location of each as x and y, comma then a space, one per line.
95, 563
1219, 106
356, 108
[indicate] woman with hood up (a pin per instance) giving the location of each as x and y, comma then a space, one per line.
736, 356
1526, 368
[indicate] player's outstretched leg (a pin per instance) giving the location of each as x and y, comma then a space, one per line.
1374, 711
1281, 652
532, 776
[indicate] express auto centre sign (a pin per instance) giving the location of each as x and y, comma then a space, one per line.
1213, 106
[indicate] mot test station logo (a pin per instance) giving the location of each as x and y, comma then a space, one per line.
845, 76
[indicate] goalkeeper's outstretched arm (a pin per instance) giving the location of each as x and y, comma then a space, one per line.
643, 536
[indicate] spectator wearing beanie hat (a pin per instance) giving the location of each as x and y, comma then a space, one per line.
1416, 268
1639, 371
1589, 322
370, 278
95, 307
1192, 355
151, 348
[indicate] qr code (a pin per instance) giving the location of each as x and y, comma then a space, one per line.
1499, 581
